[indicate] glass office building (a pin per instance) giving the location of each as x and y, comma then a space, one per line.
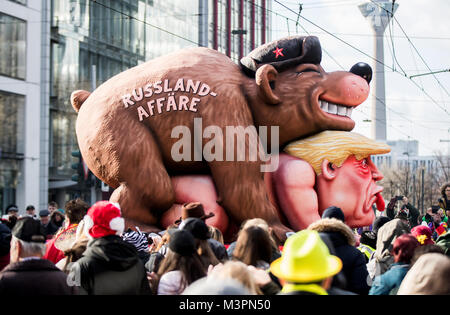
20, 90
12, 65
90, 42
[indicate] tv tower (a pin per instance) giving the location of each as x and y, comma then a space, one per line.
379, 14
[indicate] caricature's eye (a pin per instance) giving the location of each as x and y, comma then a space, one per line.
364, 163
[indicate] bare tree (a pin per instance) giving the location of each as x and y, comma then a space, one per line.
444, 163
402, 180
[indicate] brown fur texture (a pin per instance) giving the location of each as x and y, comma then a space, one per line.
134, 157
333, 225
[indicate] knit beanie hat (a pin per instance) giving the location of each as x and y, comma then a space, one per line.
182, 242
369, 238
333, 212
423, 234
104, 218
198, 228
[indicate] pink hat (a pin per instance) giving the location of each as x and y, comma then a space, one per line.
423, 234
104, 218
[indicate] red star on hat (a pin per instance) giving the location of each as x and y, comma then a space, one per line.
278, 52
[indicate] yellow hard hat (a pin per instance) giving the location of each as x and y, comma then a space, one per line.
305, 258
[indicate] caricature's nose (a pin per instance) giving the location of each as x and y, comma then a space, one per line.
376, 174
363, 70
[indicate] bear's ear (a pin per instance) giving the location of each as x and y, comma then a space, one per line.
265, 78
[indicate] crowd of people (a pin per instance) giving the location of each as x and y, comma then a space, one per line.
86, 250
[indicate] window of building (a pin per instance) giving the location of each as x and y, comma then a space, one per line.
12, 46
11, 145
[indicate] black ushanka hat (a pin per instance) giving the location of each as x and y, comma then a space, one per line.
283, 53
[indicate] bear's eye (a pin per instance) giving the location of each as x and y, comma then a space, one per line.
306, 70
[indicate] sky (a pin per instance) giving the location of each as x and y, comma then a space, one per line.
414, 112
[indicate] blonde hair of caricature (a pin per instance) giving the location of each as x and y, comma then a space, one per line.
335, 146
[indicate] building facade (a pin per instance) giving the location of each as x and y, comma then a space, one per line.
50, 48
20, 99
90, 42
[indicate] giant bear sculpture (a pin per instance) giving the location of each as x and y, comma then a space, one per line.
126, 127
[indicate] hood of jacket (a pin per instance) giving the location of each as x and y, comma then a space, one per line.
332, 225
113, 251
387, 234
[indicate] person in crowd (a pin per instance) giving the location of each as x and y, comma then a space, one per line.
109, 265
153, 263
5, 245
200, 231
216, 242
306, 266
75, 251
12, 210
444, 242
216, 234
427, 218
28, 273
76, 209
438, 227
368, 240
72, 255
339, 283
192, 210
367, 244
31, 212
9, 221
402, 214
49, 228
433, 219
180, 267
52, 207
378, 223
210, 286
444, 217
236, 270
425, 249
382, 259
163, 245
423, 234
428, 276
402, 251
411, 212
444, 201
57, 218
258, 222
254, 247
139, 240
343, 240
